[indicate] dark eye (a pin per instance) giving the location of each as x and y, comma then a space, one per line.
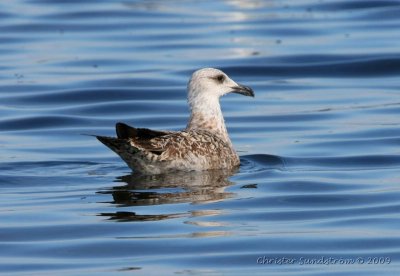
220, 78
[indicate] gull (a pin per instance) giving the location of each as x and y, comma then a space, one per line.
203, 145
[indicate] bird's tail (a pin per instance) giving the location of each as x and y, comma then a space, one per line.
119, 146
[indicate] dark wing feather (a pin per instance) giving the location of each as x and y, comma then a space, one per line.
143, 138
127, 132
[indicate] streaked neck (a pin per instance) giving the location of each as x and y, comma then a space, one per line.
207, 115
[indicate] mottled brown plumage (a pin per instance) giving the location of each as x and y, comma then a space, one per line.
203, 145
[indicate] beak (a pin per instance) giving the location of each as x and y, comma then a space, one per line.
242, 89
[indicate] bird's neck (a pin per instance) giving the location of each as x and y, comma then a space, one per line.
207, 115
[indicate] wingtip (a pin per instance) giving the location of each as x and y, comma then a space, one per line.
124, 131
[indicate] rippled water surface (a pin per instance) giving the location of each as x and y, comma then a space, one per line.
319, 143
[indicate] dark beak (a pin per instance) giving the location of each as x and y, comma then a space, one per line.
242, 89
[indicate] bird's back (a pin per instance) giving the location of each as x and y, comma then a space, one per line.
154, 152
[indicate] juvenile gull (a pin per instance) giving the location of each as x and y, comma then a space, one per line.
203, 145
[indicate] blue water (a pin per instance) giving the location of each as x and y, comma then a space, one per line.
319, 143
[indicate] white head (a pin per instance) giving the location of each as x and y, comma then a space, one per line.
208, 84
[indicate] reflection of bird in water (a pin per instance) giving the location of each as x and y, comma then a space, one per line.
180, 187
203, 145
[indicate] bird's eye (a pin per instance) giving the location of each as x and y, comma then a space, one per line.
220, 78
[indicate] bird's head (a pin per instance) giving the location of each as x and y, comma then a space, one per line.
212, 84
